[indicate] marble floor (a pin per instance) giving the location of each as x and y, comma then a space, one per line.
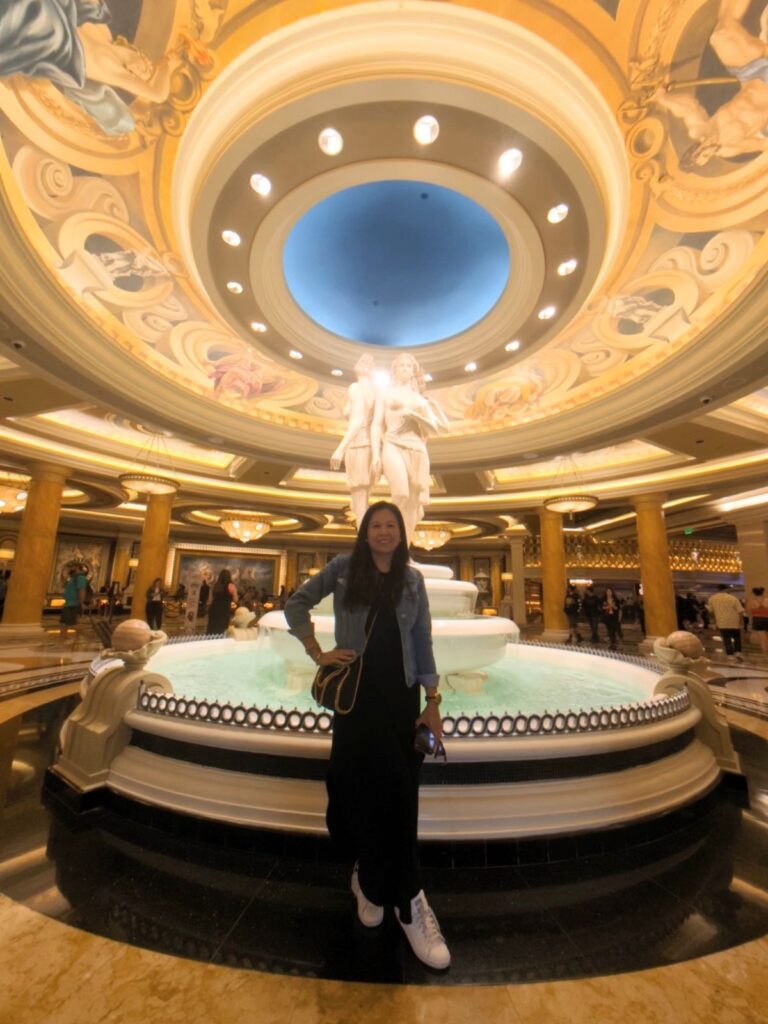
679, 936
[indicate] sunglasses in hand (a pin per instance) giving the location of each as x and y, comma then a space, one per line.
425, 742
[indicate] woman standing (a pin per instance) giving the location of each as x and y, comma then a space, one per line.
373, 777
757, 609
224, 596
154, 604
610, 610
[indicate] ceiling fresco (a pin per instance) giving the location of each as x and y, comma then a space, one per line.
96, 101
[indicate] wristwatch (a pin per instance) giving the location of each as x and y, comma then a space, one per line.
436, 698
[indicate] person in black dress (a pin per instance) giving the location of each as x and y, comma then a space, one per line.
224, 596
381, 609
155, 596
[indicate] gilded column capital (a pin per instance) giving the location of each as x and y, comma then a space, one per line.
48, 471
652, 500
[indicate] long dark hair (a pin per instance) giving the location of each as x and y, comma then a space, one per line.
363, 578
221, 584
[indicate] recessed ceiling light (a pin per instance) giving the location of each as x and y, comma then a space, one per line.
295, 354
235, 287
512, 346
509, 161
230, 237
428, 378
337, 373
567, 267
557, 213
330, 141
547, 313
426, 130
261, 184
470, 367
382, 378
257, 326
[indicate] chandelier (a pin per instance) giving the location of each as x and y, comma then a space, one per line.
246, 528
148, 483
573, 496
570, 503
430, 536
149, 477
13, 496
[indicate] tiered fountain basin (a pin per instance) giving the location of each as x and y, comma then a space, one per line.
553, 742
462, 641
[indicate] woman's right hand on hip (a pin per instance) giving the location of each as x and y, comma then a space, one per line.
338, 656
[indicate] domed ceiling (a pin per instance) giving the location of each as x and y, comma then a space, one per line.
575, 253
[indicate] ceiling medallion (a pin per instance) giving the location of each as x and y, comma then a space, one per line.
567, 504
246, 528
430, 536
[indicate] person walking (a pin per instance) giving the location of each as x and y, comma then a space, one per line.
757, 609
74, 599
590, 605
571, 609
223, 602
205, 593
381, 609
610, 610
154, 604
728, 613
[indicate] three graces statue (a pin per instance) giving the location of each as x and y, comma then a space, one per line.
386, 431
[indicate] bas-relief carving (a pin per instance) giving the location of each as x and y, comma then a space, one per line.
694, 72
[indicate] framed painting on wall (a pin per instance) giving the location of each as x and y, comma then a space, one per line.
481, 576
304, 562
249, 572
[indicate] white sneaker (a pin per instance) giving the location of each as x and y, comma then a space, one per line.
424, 935
369, 914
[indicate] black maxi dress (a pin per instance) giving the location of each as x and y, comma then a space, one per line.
220, 611
373, 778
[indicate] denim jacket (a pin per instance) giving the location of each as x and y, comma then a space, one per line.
412, 617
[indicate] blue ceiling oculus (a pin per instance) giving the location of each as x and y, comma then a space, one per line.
396, 263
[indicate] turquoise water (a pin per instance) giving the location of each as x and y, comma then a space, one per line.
515, 683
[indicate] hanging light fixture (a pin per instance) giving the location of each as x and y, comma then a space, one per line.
149, 476
245, 528
573, 496
430, 536
13, 495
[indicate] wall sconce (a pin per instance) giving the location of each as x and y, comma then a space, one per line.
133, 563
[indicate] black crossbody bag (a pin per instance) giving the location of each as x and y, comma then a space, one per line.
333, 684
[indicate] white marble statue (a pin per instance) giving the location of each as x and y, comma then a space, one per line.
403, 418
354, 449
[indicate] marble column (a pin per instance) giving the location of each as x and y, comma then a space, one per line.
553, 575
32, 566
752, 540
496, 585
153, 550
292, 570
466, 568
515, 608
655, 572
120, 561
